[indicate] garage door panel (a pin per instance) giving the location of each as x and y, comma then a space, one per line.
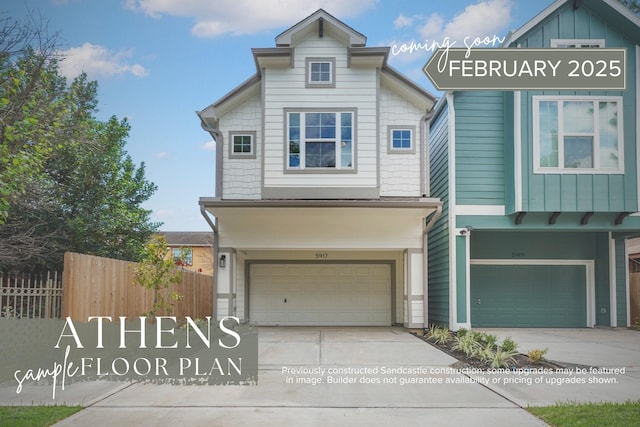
528, 296
322, 294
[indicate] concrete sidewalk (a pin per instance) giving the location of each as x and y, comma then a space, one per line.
372, 376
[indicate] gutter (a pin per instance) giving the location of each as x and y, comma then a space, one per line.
424, 157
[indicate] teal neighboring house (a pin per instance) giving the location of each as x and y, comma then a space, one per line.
540, 189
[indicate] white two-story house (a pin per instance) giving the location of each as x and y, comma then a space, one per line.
322, 204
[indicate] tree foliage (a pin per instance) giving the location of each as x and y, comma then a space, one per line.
66, 180
158, 272
634, 5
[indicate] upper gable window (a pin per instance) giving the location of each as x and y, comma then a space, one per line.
321, 72
577, 43
242, 145
574, 134
401, 140
320, 140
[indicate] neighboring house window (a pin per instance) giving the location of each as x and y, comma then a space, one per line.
575, 134
182, 256
242, 145
320, 140
321, 72
577, 43
401, 140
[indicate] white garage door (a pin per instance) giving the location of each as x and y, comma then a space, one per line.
320, 294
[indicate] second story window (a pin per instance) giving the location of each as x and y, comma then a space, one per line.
242, 145
321, 72
577, 134
401, 140
320, 140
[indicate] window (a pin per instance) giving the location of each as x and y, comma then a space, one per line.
182, 256
577, 43
320, 140
321, 72
401, 140
577, 134
241, 145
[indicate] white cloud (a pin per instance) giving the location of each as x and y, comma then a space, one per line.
98, 61
485, 18
403, 21
433, 26
209, 146
161, 155
215, 18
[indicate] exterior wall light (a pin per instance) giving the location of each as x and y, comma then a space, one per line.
223, 261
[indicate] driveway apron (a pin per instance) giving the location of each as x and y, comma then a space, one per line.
322, 376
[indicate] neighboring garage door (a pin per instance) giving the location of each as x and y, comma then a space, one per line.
528, 296
320, 294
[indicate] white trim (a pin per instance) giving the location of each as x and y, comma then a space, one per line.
468, 274
596, 169
578, 42
613, 300
487, 210
638, 116
590, 276
517, 152
451, 118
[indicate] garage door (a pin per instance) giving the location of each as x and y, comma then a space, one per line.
528, 296
320, 294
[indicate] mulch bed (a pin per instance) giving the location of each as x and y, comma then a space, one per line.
521, 361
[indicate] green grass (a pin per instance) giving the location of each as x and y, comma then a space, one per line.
34, 416
590, 414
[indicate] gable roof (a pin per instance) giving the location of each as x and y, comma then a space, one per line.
187, 238
629, 25
326, 22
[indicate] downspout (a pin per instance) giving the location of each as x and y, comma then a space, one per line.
424, 157
214, 227
212, 224
425, 262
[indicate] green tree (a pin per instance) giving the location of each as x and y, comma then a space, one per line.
66, 180
158, 272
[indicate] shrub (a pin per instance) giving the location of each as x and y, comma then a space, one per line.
537, 355
462, 332
501, 358
509, 345
466, 344
439, 335
485, 353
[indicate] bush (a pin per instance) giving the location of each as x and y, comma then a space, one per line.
438, 334
509, 345
537, 355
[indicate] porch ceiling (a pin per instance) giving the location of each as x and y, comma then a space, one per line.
321, 224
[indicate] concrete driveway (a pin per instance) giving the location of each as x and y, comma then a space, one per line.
318, 377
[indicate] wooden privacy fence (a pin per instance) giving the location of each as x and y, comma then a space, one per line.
31, 295
96, 286
634, 297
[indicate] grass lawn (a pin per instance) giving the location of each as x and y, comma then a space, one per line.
589, 414
34, 416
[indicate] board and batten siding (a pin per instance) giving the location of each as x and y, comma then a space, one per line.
355, 89
241, 177
399, 172
548, 192
480, 152
439, 246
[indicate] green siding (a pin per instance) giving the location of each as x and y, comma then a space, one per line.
461, 279
621, 282
480, 148
528, 296
582, 192
438, 251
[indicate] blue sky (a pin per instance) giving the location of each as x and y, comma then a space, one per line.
158, 61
